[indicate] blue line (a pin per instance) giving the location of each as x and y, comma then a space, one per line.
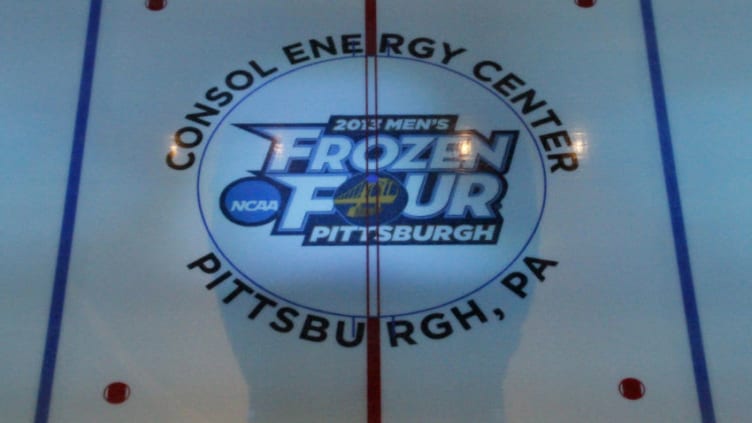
44, 395
677, 219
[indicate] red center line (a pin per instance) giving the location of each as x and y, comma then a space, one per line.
373, 335
378, 189
371, 28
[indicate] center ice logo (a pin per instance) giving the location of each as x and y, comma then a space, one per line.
419, 181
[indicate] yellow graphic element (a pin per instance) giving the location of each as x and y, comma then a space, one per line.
368, 197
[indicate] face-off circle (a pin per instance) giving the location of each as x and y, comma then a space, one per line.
448, 180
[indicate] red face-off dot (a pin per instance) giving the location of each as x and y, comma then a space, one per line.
632, 389
117, 393
156, 4
585, 3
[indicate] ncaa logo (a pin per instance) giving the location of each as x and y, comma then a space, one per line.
250, 202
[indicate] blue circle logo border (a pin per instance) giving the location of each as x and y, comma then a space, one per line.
363, 316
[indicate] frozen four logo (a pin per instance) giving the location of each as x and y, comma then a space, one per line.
391, 179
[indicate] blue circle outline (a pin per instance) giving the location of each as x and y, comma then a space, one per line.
363, 316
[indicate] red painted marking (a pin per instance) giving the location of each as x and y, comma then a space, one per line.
156, 5
585, 3
373, 336
632, 389
370, 27
116, 393
378, 192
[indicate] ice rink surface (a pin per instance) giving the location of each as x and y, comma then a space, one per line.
615, 289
